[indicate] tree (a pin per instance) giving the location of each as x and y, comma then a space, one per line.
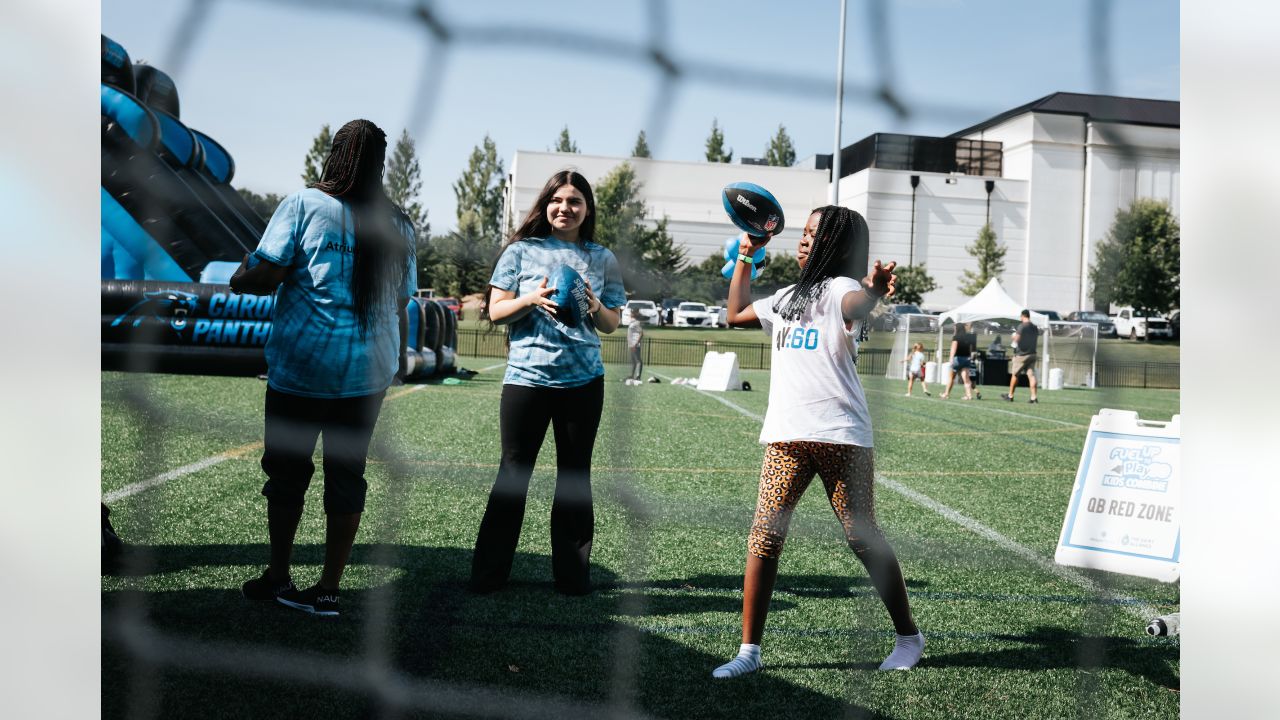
481, 186
641, 150
780, 151
715, 145
465, 255
779, 271
264, 205
913, 282
990, 255
564, 144
702, 282
1137, 262
649, 257
663, 258
402, 181
313, 164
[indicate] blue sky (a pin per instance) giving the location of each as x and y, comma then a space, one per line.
261, 76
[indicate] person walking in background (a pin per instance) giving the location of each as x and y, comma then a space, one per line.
554, 376
635, 337
1024, 357
962, 342
915, 369
342, 256
817, 421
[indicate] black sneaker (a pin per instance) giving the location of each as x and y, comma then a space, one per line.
262, 589
1033, 401
315, 600
1006, 396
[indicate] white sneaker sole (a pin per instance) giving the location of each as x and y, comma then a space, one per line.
310, 609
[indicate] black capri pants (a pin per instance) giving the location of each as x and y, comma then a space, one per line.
293, 423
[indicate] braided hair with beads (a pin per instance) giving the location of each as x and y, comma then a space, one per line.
839, 246
353, 173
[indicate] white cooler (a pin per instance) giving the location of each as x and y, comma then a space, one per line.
931, 372
1055, 379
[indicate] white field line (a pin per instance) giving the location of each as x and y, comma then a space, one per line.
162, 478
492, 367
197, 466
982, 405
1140, 611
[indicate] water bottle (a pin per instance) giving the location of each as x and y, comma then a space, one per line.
1164, 625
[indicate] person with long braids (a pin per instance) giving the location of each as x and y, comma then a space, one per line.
341, 255
554, 376
817, 420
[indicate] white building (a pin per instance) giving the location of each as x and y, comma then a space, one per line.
687, 193
1050, 175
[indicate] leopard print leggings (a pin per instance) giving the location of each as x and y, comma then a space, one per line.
847, 473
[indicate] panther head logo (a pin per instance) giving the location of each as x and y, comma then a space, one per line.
172, 306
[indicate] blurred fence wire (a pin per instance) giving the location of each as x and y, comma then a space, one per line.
374, 674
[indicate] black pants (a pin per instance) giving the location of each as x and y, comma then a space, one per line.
293, 423
574, 414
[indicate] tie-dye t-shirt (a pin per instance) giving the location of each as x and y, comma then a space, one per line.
544, 351
316, 348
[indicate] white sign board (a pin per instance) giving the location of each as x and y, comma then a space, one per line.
1123, 515
719, 372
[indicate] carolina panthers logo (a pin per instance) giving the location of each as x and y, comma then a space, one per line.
172, 306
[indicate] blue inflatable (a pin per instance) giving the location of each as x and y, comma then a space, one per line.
731, 258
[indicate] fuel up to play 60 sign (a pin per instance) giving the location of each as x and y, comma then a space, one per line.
1123, 515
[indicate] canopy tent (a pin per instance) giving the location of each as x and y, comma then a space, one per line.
991, 302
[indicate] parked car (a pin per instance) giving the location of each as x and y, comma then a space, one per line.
1175, 322
888, 319
1138, 325
1051, 314
692, 314
645, 310
1106, 328
453, 304
720, 314
667, 313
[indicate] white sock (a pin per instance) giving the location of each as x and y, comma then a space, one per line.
747, 661
907, 650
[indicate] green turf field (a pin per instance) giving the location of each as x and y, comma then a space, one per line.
972, 495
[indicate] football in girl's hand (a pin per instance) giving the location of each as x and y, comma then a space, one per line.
570, 295
752, 208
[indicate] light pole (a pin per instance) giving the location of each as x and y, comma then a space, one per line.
835, 155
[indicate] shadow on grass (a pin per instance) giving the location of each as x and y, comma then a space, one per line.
522, 641
1056, 648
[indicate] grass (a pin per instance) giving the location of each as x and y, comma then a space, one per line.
675, 476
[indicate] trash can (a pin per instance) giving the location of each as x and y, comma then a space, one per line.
931, 372
1055, 379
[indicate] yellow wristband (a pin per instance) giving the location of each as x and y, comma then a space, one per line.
746, 259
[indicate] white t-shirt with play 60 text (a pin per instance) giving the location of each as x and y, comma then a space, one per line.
814, 391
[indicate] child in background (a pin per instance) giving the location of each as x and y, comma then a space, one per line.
915, 369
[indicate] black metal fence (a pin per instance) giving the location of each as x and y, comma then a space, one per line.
474, 342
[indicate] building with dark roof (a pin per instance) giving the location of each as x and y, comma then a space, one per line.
1049, 176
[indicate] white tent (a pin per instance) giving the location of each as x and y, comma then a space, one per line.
991, 302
